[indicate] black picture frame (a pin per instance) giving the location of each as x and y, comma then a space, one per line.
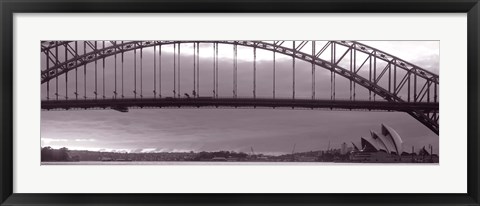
9, 7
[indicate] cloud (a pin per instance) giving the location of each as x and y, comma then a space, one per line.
50, 140
85, 140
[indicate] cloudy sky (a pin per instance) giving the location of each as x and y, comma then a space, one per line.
266, 130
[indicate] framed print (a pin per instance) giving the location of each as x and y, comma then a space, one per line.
254, 103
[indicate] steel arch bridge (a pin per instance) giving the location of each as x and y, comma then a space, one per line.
399, 85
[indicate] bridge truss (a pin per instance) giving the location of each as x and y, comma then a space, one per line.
393, 84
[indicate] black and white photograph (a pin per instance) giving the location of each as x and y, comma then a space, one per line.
239, 102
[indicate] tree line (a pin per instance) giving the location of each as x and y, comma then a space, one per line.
50, 154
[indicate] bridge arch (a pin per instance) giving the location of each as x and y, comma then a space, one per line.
412, 71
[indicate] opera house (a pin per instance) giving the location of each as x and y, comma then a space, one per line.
385, 146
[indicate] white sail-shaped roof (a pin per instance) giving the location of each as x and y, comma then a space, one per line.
388, 140
379, 142
368, 144
392, 136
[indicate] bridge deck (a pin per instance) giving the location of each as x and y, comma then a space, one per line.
124, 104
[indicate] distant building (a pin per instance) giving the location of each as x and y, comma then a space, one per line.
305, 159
423, 152
343, 149
349, 149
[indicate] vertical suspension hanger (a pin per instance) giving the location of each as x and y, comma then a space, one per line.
174, 69
293, 66
48, 67
56, 75
435, 92
214, 70
217, 76
154, 71
415, 85
408, 90
194, 70
351, 71
428, 90
254, 71
370, 76
313, 70
375, 74
178, 58
66, 73
141, 72
389, 76
135, 73
332, 74
395, 77
96, 55
103, 68
235, 70
123, 54
354, 69
198, 69
76, 71
160, 71
274, 70
115, 66
84, 72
